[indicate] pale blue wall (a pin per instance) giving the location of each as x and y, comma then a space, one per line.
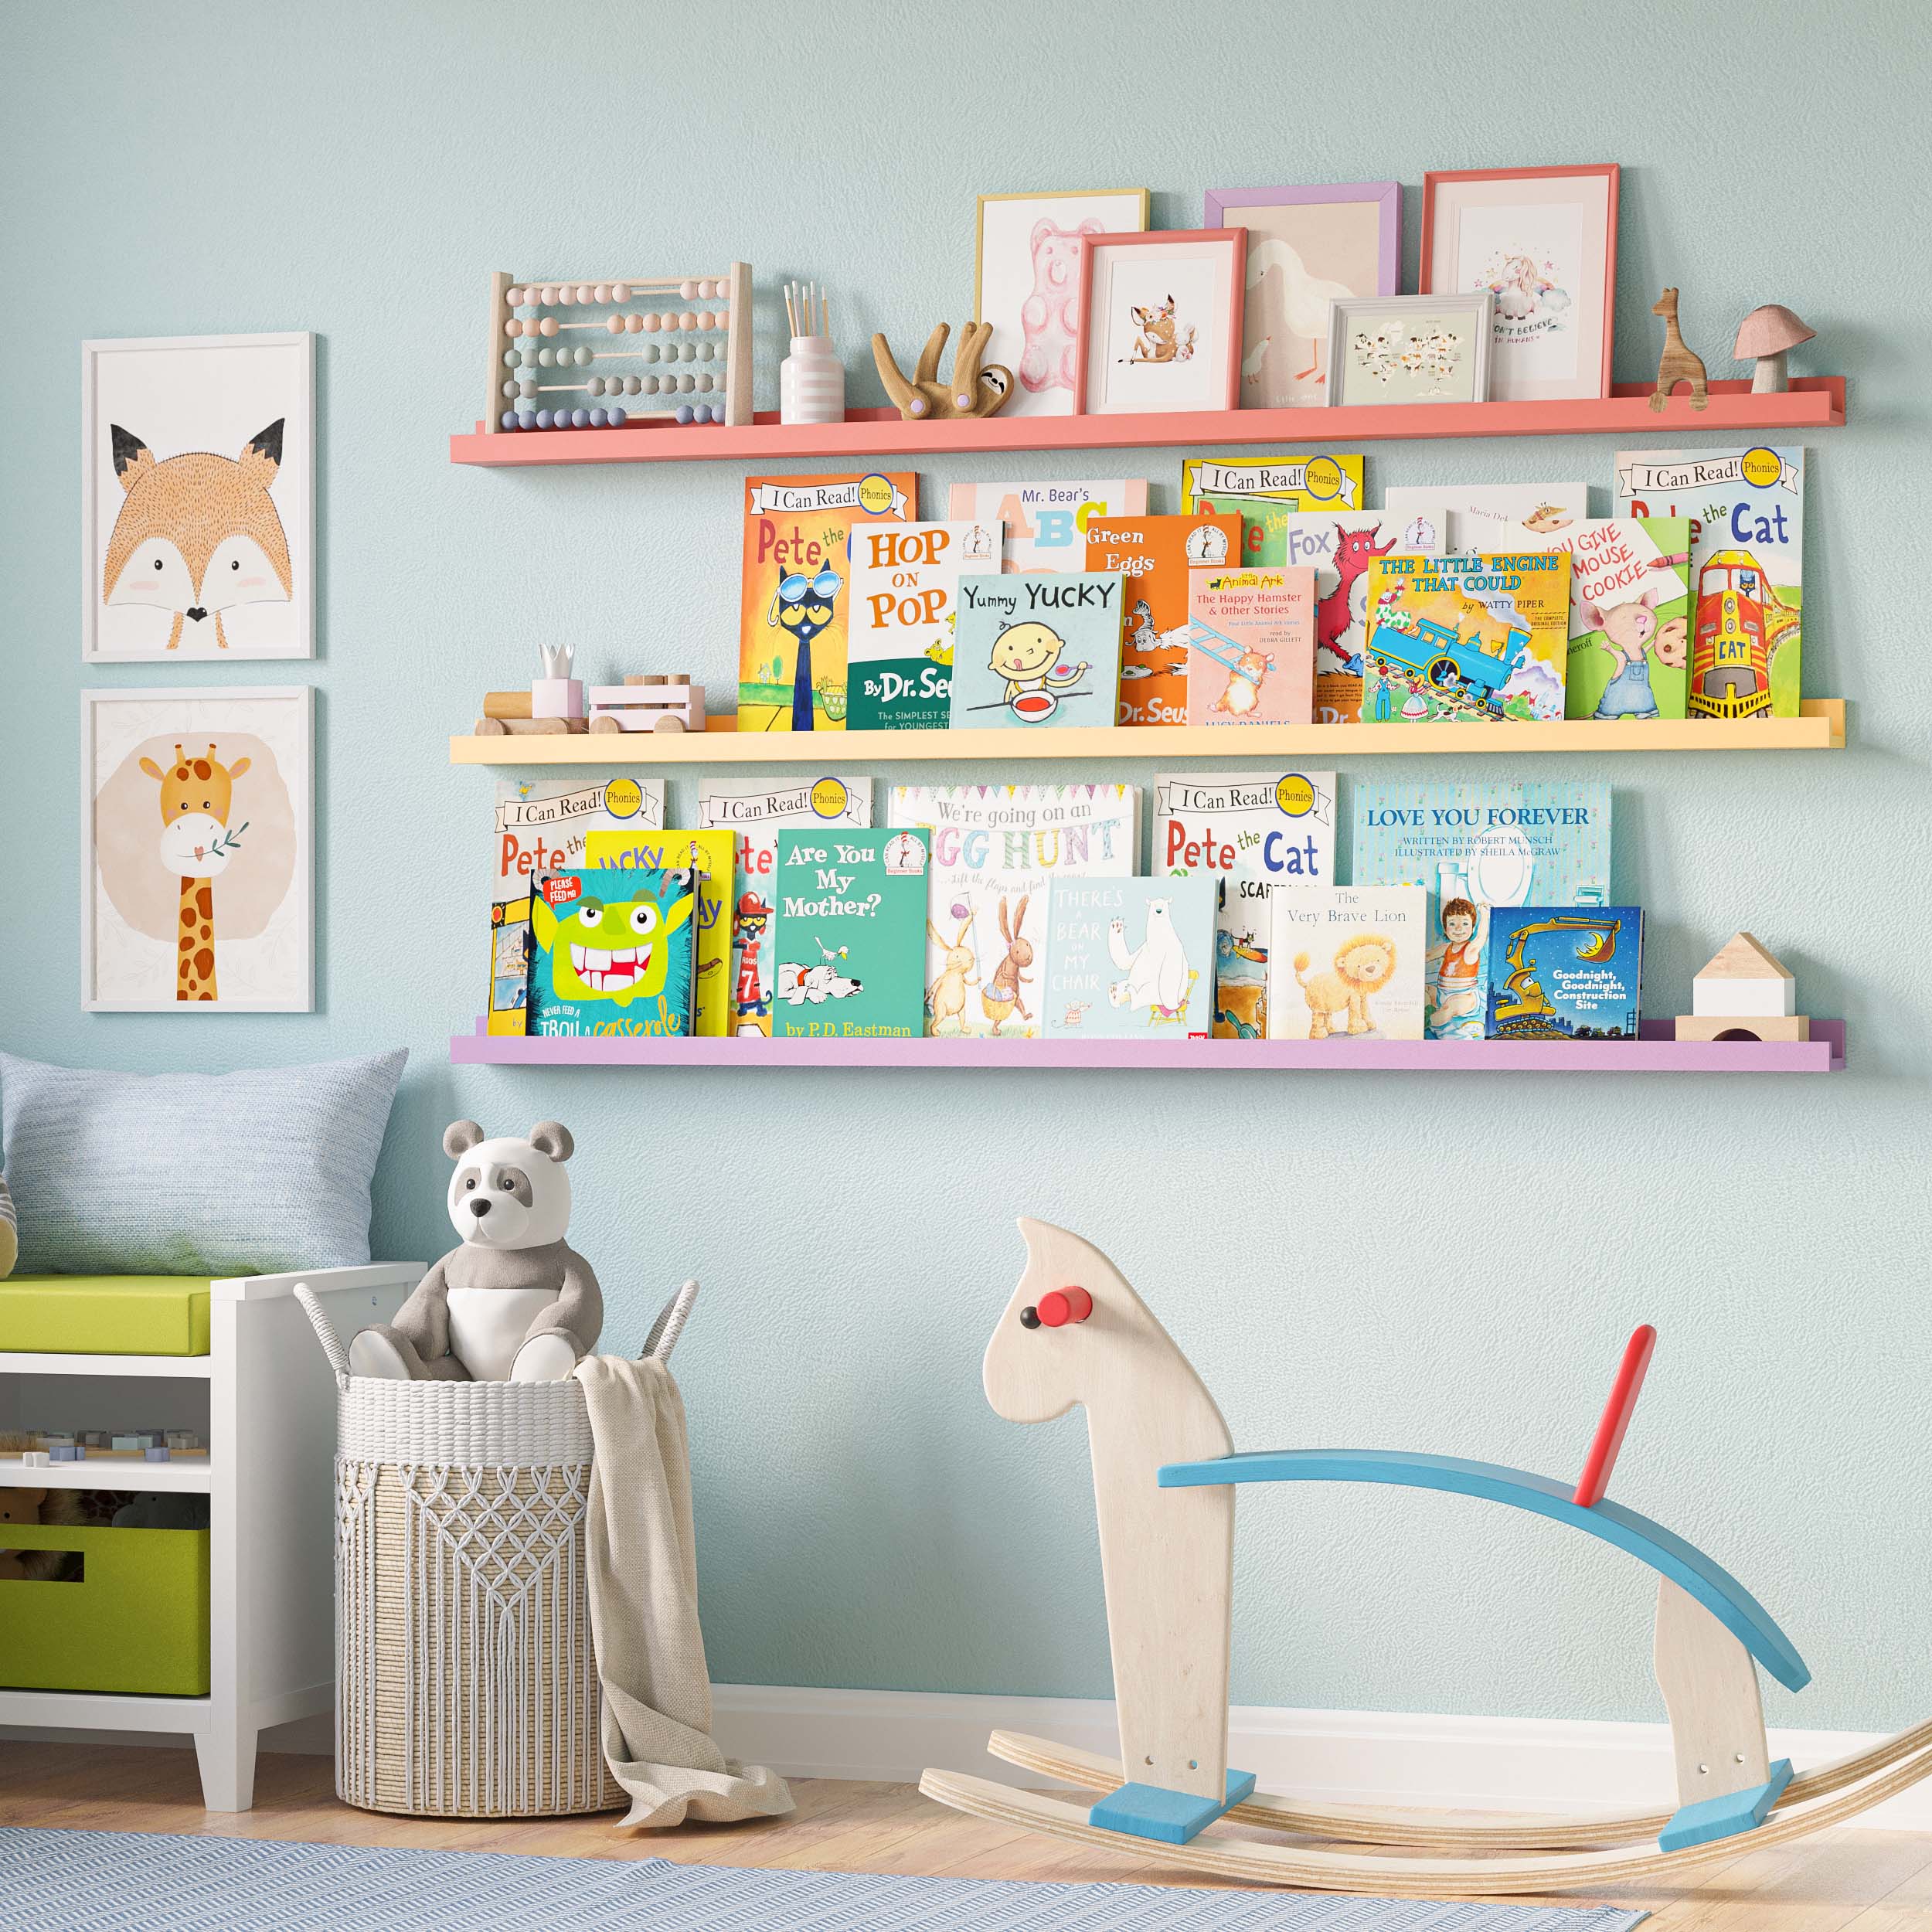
1422, 1262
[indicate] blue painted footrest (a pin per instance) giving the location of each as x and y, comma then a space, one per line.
1151, 1810
1714, 1818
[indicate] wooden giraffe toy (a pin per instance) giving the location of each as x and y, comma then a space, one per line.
1678, 363
197, 795
1165, 1475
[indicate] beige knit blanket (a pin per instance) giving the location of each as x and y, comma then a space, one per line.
644, 1608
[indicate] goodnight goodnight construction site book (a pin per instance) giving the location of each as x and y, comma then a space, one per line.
1565, 972
850, 935
612, 952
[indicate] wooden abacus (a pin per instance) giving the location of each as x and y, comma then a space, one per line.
710, 328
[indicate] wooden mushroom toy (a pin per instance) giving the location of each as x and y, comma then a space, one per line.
973, 391
1764, 336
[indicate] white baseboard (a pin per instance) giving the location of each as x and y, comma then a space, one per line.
1342, 1757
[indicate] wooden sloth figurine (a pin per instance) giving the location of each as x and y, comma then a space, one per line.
973, 391
1679, 362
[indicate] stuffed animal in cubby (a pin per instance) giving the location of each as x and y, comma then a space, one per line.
514, 1302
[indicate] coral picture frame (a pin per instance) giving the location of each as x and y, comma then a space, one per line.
1160, 322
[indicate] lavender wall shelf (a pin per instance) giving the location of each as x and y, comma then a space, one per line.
1656, 1053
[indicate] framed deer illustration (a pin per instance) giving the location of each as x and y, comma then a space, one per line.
198, 495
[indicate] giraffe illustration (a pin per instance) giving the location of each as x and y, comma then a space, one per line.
197, 845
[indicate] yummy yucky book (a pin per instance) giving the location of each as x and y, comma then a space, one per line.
1265, 493
612, 951
899, 643
1458, 639
1346, 962
754, 815
850, 935
996, 851
1565, 972
1130, 958
1155, 555
1746, 508
708, 854
539, 828
1046, 523
1250, 638
1038, 649
795, 594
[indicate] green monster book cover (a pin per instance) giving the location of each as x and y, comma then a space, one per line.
612, 952
850, 934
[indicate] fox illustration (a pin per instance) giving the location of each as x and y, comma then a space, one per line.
197, 534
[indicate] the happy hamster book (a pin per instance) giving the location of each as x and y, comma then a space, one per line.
1251, 646
1460, 638
1046, 523
850, 935
1265, 493
795, 593
1340, 546
754, 815
1746, 508
1249, 832
541, 827
1038, 649
1565, 972
1130, 959
612, 952
996, 851
1155, 555
1456, 980
1346, 962
710, 854
899, 645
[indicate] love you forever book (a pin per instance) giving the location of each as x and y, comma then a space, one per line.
612, 952
899, 647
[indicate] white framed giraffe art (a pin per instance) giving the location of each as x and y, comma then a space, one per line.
197, 814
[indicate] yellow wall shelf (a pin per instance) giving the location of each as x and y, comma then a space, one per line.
1821, 728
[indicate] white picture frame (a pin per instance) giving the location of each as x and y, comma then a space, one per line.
139, 883
1353, 382
224, 423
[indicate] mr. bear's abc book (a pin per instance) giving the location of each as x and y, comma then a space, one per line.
1130, 958
1038, 649
612, 952
1155, 555
850, 934
795, 597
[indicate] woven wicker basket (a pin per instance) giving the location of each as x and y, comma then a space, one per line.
466, 1684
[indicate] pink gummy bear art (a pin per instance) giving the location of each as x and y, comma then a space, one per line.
1050, 314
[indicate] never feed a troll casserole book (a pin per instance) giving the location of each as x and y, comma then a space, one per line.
612, 951
796, 595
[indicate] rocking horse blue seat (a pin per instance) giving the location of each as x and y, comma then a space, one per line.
1686, 1565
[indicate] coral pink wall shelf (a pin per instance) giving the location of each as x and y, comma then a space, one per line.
1656, 1053
1812, 402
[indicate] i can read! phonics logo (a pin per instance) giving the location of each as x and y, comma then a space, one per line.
1323, 479
623, 797
1760, 468
875, 495
828, 797
1295, 795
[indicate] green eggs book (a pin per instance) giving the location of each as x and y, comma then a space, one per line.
613, 952
849, 935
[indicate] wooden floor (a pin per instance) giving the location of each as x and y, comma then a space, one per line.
1844, 1881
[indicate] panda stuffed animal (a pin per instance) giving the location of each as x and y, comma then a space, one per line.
514, 1302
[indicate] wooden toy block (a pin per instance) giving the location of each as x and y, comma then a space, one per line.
1743, 1026
164, 1454
529, 727
1744, 977
129, 1445
69, 1452
183, 1441
669, 702
36, 1458
506, 704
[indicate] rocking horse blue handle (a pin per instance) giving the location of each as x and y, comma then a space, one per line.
1686, 1565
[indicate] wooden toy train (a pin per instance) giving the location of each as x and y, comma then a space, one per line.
1165, 1472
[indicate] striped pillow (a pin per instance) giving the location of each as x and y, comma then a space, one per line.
253, 1172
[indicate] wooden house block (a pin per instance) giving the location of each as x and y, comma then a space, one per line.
1744, 978
1759, 1026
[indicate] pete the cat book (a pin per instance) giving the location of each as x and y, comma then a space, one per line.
1155, 555
754, 815
612, 952
1265, 494
1346, 963
899, 647
851, 935
1251, 646
1565, 972
1044, 648
795, 594
1130, 958
1046, 523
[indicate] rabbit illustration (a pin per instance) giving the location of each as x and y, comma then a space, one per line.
1002, 997
945, 997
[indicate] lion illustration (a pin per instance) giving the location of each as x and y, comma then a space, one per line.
1363, 964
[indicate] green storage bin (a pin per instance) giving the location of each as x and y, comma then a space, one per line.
104, 1315
136, 1622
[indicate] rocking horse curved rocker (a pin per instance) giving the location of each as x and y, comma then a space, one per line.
1165, 1473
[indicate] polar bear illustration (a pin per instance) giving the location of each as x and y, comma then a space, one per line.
1158, 976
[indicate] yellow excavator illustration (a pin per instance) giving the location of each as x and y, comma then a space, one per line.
1524, 999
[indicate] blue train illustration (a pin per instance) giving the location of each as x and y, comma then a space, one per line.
1437, 653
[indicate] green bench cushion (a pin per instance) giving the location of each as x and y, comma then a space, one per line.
104, 1315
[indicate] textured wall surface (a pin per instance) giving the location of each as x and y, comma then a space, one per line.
1421, 1262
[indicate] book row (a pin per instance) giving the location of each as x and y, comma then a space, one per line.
1021, 911
1273, 596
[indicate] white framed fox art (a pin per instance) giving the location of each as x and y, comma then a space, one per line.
198, 498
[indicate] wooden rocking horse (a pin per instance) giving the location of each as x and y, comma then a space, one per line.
1165, 1472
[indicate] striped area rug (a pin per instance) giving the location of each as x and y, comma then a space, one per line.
147, 1881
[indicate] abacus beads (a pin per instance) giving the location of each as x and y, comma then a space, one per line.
584, 294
